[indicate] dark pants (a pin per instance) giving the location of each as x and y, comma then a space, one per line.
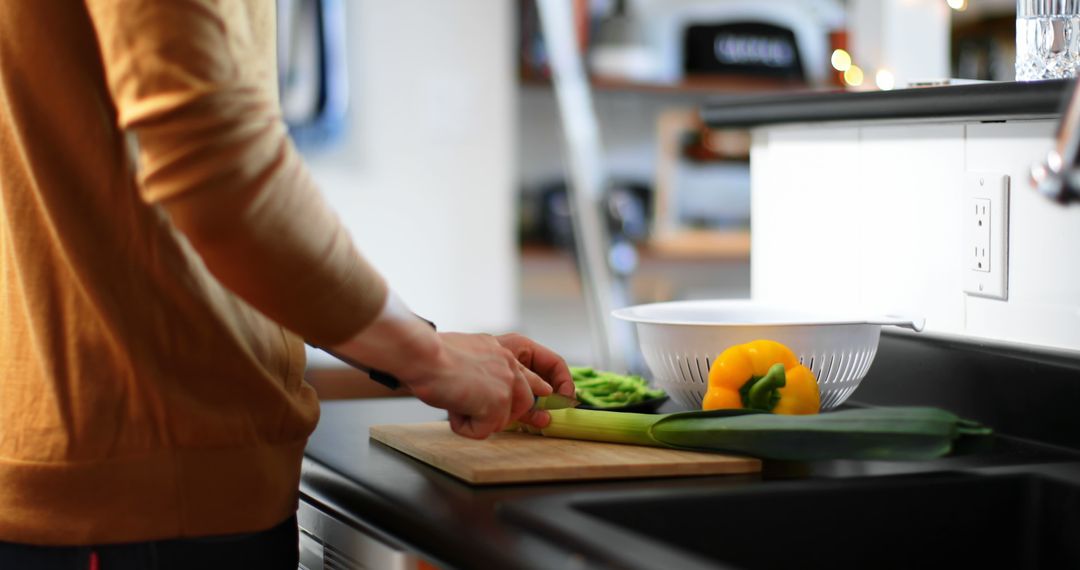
267, 550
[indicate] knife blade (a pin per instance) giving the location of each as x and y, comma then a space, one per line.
554, 402
549, 402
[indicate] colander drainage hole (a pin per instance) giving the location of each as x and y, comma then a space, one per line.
690, 372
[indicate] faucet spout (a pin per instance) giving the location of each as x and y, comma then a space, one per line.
1058, 176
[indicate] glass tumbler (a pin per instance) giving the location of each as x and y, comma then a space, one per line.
1047, 39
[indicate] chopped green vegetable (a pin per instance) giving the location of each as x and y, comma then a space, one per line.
873, 433
601, 389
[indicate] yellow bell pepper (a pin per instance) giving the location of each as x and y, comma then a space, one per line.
763, 375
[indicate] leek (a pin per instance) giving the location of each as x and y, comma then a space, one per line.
874, 433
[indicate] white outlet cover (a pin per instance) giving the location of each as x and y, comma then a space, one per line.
978, 187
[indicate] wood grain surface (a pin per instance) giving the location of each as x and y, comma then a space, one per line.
519, 457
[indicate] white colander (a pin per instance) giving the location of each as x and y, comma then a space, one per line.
680, 340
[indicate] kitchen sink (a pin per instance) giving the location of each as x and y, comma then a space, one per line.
960, 520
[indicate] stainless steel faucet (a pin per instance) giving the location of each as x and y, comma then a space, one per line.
1058, 177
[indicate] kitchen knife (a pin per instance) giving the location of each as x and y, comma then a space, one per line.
554, 402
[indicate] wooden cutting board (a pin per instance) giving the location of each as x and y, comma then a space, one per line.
519, 457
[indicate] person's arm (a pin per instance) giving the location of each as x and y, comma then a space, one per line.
188, 80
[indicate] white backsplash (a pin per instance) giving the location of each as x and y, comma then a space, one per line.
868, 216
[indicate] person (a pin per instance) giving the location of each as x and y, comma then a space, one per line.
153, 308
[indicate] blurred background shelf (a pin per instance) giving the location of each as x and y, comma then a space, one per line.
691, 86
733, 245
687, 245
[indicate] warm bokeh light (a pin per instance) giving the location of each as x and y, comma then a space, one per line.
841, 60
885, 79
853, 76
958, 5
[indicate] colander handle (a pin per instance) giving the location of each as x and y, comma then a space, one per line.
914, 323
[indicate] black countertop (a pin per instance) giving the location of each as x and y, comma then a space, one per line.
981, 101
456, 525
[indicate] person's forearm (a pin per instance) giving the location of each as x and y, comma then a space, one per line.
396, 342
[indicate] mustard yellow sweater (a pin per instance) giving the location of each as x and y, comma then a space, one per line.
152, 310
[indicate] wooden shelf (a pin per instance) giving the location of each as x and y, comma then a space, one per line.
701, 244
682, 245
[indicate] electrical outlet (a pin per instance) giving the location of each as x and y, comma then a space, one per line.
980, 237
986, 235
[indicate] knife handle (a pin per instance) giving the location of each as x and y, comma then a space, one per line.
384, 378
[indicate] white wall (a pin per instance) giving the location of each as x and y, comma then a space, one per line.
910, 38
426, 179
867, 217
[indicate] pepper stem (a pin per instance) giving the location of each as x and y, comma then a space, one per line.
764, 392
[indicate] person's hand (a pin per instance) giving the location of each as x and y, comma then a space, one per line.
485, 383
541, 360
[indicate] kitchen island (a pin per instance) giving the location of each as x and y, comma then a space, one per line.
410, 512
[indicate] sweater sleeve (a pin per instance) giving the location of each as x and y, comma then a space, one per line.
189, 79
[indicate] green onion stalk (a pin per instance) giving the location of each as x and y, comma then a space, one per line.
900, 433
